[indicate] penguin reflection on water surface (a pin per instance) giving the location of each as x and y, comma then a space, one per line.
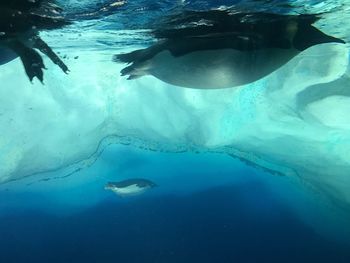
20, 22
219, 49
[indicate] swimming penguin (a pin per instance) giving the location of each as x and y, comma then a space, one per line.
130, 187
218, 49
20, 22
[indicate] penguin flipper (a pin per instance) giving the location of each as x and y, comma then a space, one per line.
32, 61
44, 48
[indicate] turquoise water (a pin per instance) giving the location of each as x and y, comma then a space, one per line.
257, 173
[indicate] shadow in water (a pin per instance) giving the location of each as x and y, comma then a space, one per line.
339, 87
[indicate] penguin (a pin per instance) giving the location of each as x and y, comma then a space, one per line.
219, 49
130, 187
20, 23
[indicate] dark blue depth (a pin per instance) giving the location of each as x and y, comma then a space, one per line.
216, 225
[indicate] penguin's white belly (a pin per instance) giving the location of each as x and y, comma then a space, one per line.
129, 190
214, 69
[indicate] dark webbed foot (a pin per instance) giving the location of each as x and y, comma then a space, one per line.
44, 48
33, 64
32, 61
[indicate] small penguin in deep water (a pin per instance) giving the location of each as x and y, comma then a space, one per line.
130, 187
20, 23
219, 49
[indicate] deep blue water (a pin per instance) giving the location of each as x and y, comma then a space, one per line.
214, 225
207, 208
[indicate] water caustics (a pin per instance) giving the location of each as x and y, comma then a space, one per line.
302, 105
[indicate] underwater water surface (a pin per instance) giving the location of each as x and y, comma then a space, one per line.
254, 173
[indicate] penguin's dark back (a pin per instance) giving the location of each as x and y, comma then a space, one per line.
22, 5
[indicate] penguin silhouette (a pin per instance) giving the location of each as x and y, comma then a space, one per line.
130, 187
218, 49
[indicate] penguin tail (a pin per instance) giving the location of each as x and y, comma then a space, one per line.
308, 19
307, 35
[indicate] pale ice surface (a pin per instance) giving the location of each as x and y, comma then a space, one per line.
278, 122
